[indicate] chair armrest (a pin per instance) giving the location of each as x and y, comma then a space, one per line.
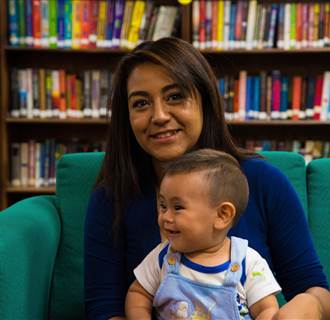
29, 238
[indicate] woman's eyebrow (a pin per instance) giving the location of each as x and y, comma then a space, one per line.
138, 93
145, 93
169, 87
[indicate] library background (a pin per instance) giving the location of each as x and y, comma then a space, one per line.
271, 58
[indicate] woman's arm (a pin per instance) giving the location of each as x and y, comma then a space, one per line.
138, 303
105, 281
265, 308
295, 260
313, 304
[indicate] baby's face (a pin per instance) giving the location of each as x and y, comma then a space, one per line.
185, 214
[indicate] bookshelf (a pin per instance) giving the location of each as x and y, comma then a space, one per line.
225, 62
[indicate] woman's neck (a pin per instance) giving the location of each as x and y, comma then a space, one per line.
159, 169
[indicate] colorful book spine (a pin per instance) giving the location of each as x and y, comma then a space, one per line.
118, 21
101, 24
13, 16
296, 97
276, 95
28, 23
318, 97
133, 35
284, 97
94, 9
86, 21
67, 23
76, 23
44, 24
36, 21
52, 24
325, 96
60, 23
21, 23
109, 24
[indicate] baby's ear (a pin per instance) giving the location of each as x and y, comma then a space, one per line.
226, 212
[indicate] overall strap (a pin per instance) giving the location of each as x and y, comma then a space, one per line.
171, 261
238, 252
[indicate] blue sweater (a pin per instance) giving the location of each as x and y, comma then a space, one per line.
274, 223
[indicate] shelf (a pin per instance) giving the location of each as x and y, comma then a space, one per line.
111, 51
82, 121
32, 190
122, 51
267, 51
88, 121
286, 123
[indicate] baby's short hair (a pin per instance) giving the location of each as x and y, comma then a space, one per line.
222, 172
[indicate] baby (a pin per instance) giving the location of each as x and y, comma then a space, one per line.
198, 272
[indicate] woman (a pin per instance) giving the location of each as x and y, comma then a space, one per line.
165, 102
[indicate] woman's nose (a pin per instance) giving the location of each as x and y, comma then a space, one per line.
161, 113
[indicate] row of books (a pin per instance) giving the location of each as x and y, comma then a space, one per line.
224, 24
273, 95
310, 149
33, 164
47, 93
89, 23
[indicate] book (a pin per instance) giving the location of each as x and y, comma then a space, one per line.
67, 23
165, 22
137, 14
44, 24
15, 165
60, 23
118, 21
126, 23
325, 98
76, 23
14, 93
296, 97
28, 23
101, 23
53, 24
13, 17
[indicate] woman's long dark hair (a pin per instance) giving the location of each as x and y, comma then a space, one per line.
127, 168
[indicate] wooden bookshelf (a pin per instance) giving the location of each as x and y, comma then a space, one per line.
224, 62
31, 190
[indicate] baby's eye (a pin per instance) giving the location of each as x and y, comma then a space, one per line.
162, 207
140, 103
178, 207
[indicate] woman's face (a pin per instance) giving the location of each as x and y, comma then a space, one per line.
165, 123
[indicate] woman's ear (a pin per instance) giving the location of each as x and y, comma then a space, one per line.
226, 212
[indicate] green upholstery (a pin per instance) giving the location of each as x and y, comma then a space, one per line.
29, 237
42, 237
293, 166
318, 187
76, 174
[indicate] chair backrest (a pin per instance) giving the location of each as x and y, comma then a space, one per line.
318, 187
76, 174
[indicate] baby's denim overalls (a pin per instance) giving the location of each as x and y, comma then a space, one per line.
182, 298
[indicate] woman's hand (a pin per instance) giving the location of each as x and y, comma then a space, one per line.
302, 306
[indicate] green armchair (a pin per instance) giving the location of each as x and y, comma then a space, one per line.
41, 238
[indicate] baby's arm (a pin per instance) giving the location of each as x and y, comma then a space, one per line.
265, 308
138, 303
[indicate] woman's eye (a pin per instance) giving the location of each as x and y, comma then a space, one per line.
178, 207
140, 103
162, 207
175, 97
